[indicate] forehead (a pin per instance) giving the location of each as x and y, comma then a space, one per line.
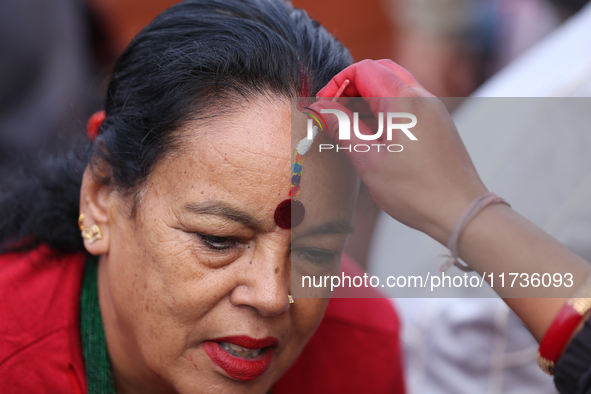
245, 159
252, 141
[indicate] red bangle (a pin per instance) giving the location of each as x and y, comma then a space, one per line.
562, 327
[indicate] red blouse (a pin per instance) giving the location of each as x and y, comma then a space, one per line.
355, 349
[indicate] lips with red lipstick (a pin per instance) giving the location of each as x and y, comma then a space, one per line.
243, 358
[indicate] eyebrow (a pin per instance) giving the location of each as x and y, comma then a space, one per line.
342, 226
218, 208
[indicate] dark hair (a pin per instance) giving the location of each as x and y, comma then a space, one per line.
193, 60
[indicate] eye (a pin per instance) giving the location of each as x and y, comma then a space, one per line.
317, 256
216, 243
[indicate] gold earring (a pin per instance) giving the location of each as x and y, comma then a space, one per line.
91, 234
290, 298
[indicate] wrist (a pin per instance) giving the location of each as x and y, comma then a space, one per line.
440, 224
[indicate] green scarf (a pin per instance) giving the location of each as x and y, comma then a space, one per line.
99, 375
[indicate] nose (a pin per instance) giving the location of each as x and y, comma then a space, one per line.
265, 283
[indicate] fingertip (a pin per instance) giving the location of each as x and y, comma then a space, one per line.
336, 82
327, 90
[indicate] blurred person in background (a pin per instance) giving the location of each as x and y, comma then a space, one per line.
47, 78
442, 336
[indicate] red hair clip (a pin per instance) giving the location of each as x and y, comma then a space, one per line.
94, 124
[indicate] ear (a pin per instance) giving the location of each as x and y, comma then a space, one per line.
94, 204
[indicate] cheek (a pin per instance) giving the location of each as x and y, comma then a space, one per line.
307, 314
159, 288
178, 288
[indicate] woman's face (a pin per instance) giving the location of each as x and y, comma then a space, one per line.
193, 288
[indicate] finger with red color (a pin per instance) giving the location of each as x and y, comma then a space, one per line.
402, 72
362, 161
350, 73
370, 78
429, 183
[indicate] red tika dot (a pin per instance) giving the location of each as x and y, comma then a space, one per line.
289, 214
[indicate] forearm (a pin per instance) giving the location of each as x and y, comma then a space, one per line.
500, 240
